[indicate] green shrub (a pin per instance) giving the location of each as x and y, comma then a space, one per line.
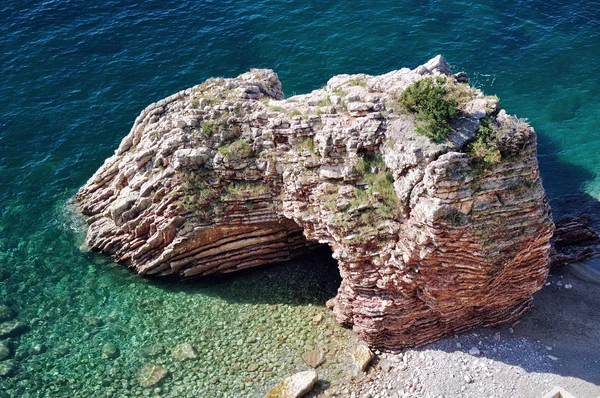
484, 149
240, 149
434, 107
373, 170
209, 128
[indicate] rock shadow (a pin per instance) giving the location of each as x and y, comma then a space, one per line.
309, 279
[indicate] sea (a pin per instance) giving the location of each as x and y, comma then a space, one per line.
74, 76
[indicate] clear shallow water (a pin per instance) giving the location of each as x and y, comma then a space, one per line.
75, 76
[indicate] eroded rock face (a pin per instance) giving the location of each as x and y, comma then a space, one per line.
228, 175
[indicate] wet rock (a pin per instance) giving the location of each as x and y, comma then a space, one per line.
184, 351
110, 351
294, 386
6, 313
474, 351
37, 349
313, 358
571, 240
4, 350
151, 374
12, 328
7, 368
362, 357
153, 351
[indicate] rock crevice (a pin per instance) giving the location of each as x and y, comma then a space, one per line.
431, 237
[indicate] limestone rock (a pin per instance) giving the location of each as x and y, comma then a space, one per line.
362, 357
184, 351
313, 358
151, 374
12, 328
294, 386
430, 240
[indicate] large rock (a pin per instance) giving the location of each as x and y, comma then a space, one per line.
294, 386
431, 238
6, 313
12, 328
151, 374
184, 351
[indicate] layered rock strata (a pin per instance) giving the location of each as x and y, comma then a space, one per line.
430, 237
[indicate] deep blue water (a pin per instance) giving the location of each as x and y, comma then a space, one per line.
75, 74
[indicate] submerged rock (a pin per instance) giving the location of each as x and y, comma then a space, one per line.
7, 368
313, 358
294, 386
12, 328
438, 225
151, 374
6, 313
4, 350
184, 351
110, 351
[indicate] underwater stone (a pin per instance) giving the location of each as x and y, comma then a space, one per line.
12, 328
151, 374
6, 313
7, 368
110, 351
430, 237
184, 351
37, 349
4, 350
313, 358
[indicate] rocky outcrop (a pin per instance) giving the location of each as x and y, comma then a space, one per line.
431, 236
573, 241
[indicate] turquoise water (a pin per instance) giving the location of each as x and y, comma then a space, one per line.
75, 75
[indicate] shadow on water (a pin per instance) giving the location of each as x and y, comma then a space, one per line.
310, 279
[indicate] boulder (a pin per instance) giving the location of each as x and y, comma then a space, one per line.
6, 313
362, 357
184, 351
12, 328
151, 374
294, 386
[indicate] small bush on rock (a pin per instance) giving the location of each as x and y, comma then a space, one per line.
435, 108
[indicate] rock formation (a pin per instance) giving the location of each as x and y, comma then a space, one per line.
573, 241
435, 213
